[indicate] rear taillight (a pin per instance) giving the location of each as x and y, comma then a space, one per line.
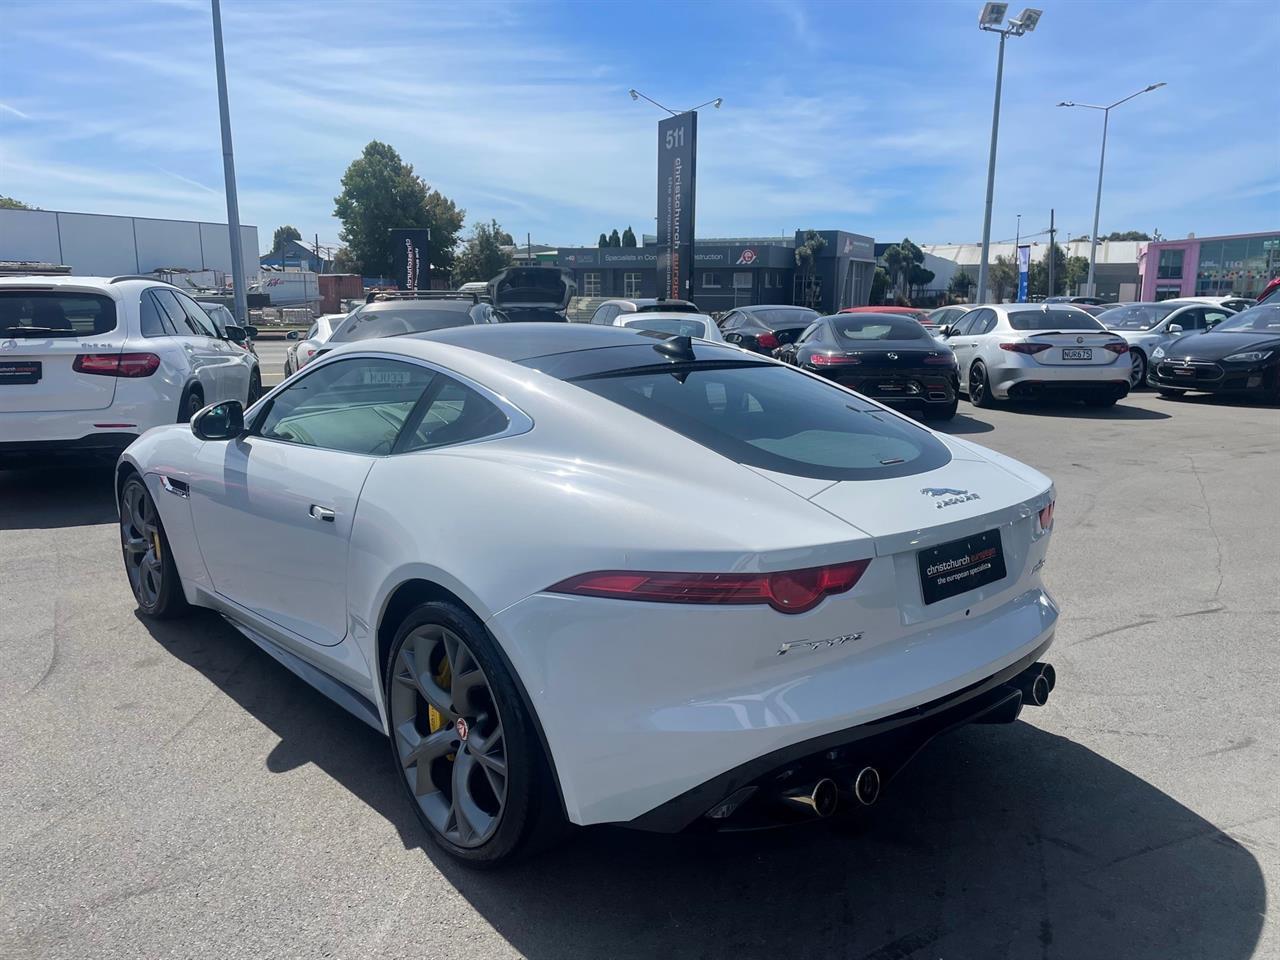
1046, 517
1024, 347
1117, 348
311, 353
825, 360
767, 341
792, 591
116, 364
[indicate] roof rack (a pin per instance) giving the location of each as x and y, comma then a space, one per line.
380, 295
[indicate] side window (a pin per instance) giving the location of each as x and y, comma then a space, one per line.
1214, 317
987, 323
810, 332
965, 322
173, 311
358, 405
198, 320
730, 321
1189, 320
311, 334
453, 413
153, 319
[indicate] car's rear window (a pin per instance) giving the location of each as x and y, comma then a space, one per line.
36, 314
776, 319
678, 328
868, 326
392, 322
775, 418
1053, 319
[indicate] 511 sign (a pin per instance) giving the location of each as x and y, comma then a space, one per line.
677, 153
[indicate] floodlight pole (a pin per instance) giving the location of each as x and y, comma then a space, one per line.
1102, 159
991, 173
229, 174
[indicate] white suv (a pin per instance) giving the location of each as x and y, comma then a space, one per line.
90, 363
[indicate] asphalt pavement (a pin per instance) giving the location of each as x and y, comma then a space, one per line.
170, 791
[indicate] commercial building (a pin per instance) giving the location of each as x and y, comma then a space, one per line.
1117, 275
734, 271
296, 255
97, 245
1239, 265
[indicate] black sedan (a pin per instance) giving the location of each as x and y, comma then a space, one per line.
1241, 355
889, 358
765, 327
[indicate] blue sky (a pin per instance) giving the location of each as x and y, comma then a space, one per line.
872, 117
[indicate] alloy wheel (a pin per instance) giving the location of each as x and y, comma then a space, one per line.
448, 735
140, 538
1138, 371
977, 386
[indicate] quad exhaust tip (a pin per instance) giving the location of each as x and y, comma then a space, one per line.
866, 786
821, 799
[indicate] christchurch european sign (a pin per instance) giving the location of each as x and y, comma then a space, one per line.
677, 152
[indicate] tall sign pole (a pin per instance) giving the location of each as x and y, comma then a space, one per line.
677, 158
229, 173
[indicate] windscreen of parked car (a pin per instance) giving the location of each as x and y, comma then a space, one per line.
396, 320
679, 328
1264, 318
774, 418
869, 326
1136, 316
40, 314
1053, 319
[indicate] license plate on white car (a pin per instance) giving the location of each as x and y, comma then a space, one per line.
1077, 353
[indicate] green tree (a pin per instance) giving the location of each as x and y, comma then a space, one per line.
879, 284
1075, 272
380, 192
502, 237
343, 262
1038, 273
961, 283
918, 278
603, 241
1127, 235
1002, 278
282, 236
614, 239
806, 260
895, 265
8, 203
482, 257
628, 237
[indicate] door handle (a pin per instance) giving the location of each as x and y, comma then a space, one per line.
321, 513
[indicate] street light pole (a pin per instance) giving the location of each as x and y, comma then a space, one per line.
1102, 159
990, 20
229, 174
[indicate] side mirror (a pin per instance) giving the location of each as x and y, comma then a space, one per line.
251, 331
219, 421
293, 335
944, 331
235, 334
1174, 328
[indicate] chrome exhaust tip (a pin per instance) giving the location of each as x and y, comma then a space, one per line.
1036, 689
821, 799
866, 786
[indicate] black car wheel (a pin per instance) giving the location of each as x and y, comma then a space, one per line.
1138, 373
463, 741
148, 560
979, 390
191, 404
255, 387
1171, 394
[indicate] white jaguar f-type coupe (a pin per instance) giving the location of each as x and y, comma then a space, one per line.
580, 574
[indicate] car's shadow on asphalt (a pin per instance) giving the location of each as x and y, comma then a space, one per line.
998, 841
1218, 400
1080, 411
962, 424
76, 493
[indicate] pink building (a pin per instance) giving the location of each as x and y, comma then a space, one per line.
1239, 265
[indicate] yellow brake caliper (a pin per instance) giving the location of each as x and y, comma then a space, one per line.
443, 678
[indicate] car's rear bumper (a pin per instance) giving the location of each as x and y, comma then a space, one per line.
753, 794
1031, 379
910, 388
106, 443
641, 703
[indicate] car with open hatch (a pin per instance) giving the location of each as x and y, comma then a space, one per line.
581, 574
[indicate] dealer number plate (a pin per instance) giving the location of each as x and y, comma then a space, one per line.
961, 565
20, 371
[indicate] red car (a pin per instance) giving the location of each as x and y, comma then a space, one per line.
1269, 290
914, 312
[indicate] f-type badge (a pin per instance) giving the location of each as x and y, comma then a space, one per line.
798, 645
948, 496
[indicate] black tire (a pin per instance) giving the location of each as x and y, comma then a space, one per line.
192, 403
943, 413
1171, 394
529, 815
979, 389
152, 578
255, 387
